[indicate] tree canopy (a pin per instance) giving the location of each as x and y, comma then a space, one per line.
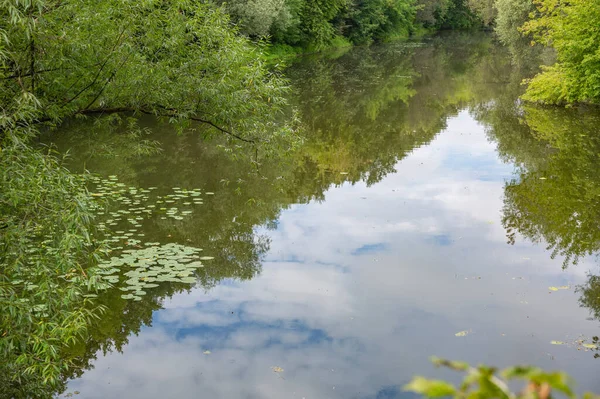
177, 59
571, 28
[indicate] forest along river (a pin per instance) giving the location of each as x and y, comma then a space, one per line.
429, 212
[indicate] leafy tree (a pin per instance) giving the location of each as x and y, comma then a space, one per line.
45, 289
430, 12
177, 59
258, 18
378, 20
459, 16
485, 9
317, 21
447, 14
512, 14
570, 27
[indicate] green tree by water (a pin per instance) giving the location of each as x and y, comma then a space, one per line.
570, 27
511, 15
379, 20
180, 60
451, 14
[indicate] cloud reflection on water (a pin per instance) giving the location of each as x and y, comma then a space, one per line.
357, 291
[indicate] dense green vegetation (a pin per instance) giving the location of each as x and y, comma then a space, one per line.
314, 24
524, 26
571, 28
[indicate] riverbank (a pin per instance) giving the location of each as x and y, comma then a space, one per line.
277, 52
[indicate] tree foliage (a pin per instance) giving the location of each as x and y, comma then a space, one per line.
511, 15
379, 20
430, 12
485, 9
450, 14
571, 28
315, 24
45, 284
260, 18
178, 59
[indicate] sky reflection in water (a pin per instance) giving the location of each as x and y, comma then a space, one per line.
358, 290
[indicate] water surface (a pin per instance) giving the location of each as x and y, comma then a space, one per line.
426, 201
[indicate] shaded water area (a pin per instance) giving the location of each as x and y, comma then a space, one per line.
428, 212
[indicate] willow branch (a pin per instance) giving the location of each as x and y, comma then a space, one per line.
97, 76
32, 65
150, 112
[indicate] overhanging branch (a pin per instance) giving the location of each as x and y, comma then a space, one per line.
166, 114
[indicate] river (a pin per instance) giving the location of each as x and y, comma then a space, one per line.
428, 212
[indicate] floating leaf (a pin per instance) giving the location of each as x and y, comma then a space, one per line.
462, 333
557, 342
277, 369
562, 287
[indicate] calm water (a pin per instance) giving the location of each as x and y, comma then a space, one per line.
425, 202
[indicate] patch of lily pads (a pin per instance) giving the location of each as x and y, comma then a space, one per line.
139, 266
145, 268
582, 343
135, 205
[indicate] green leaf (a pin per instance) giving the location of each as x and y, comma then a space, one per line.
430, 388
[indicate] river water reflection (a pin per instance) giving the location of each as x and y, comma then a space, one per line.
426, 202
